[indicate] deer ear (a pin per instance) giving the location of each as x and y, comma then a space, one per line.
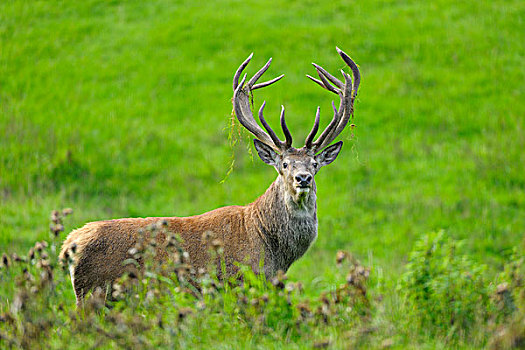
329, 154
266, 153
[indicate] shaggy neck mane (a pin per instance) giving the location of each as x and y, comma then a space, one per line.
286, 227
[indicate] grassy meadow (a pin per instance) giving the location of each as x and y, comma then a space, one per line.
123, 109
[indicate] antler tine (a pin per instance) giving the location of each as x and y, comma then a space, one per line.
266, 83
287, 134
239, 71
241, 106
243, 112
257, 75
347, 112
327, 84
355, 70
270, 131
326, 132
317, 81
314, 130
330, 77
347, 93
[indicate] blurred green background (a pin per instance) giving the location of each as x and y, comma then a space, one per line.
121, 109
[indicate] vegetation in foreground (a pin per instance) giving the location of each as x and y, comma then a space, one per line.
167, 304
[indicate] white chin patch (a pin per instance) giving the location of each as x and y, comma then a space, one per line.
301, 190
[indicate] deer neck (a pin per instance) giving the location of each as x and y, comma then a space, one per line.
286, 227
278, 202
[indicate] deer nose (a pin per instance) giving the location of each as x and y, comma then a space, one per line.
303, 179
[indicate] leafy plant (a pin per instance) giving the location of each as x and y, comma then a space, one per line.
443, 290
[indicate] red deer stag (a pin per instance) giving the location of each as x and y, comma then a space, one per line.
278, 227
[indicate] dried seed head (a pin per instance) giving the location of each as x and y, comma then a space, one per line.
340, 257
278, 280
31, 253
502, 288
47, 274
117, 287
6, 262
17, 258
67, 211
56, 228
133, 274
324, 298
304, 308
55, 216
7, 317
39, 246
27, 276
176, 258
216, 244
173, 240
42, 263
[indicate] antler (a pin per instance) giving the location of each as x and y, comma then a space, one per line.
241, 106
347, 93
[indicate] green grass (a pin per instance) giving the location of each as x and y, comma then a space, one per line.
121, 109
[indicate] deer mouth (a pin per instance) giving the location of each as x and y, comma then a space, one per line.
303, 184
303, 188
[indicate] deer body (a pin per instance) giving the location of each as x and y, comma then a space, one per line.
272, 232
267, 228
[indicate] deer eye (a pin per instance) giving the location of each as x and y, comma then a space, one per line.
285, 165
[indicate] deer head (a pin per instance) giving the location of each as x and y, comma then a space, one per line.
297, 166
